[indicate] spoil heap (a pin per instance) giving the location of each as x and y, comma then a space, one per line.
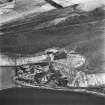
61, 68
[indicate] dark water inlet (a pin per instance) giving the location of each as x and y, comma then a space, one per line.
32, 96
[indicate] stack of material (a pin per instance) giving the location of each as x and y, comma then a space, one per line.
59, 71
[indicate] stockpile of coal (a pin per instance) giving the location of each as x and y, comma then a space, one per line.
52, 72
61, 68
